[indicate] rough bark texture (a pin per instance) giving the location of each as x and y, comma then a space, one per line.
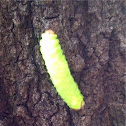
92, 34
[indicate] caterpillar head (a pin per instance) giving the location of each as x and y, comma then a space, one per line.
49, 32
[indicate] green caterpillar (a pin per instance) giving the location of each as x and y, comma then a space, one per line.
59, 72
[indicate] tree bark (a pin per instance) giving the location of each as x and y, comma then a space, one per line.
93, 37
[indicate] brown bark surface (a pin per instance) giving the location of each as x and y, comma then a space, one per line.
93, 37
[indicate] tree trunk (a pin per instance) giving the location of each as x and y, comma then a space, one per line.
92, 35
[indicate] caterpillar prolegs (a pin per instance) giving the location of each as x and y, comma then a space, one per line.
59, 72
